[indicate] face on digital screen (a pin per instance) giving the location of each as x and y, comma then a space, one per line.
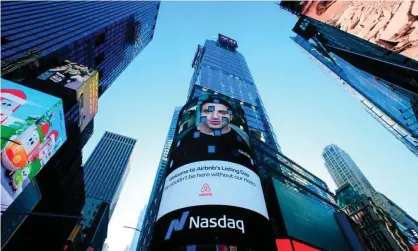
217, 118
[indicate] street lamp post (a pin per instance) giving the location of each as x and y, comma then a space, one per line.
136, 229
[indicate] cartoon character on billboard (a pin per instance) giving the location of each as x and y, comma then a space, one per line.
23, 149
11, 100
47, 147
19, 176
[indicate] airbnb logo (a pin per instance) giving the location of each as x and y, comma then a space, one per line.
205, 191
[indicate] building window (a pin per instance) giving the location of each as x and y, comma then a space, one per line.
4, 40
99, 59
100, 39
100, 74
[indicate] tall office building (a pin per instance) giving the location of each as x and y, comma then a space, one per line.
107, 167
379, 59
155, 197
344, 171
392, 108
135, 240
103, 35
378, 229
221, 70
383, 80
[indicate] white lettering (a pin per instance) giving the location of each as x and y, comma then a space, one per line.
204, 223
231, 223
213, 222
192, 221
240, 225
223, 222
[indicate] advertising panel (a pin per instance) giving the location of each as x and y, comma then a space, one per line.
81, 79
390, 24
32, 130
229, 41
304, 215
212, 192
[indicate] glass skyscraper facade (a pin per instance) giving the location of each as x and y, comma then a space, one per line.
105, 36
107, 167
156, 192
135, 240
394, 108
344, 171
224, 71
221, 69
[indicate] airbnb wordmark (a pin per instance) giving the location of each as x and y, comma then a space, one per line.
205, 191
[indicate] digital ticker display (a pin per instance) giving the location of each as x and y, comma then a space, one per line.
212, 192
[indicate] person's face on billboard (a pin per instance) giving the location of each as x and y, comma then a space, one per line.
217, 116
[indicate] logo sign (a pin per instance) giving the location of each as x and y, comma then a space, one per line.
227, 40
205, 191
198, 222
177, 225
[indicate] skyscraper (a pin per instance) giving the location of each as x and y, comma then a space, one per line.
221, 70
379, 230
385, 63
137, 233
155, 196
393, 108
344, 171
107, 167
105, 36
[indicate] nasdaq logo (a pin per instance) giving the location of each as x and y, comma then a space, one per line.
177, 225
202, 222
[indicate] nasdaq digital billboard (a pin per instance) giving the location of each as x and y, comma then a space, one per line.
212, 192
81, 79
32, 130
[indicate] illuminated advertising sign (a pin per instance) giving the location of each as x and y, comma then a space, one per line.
32, 130
229, 41
304, 215
212, 192
84, 81
385, 23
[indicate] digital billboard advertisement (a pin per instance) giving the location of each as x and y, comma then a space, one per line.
81, 79
212, 192
389, 24
32, 130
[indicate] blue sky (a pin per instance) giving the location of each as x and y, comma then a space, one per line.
307, 109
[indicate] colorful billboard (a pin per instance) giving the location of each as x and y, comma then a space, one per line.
212, 192
81, 79
390, 24
32, 130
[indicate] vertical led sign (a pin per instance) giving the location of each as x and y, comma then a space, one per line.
212, 192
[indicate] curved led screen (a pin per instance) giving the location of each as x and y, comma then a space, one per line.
212, 192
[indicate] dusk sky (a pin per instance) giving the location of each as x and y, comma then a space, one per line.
307, 109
